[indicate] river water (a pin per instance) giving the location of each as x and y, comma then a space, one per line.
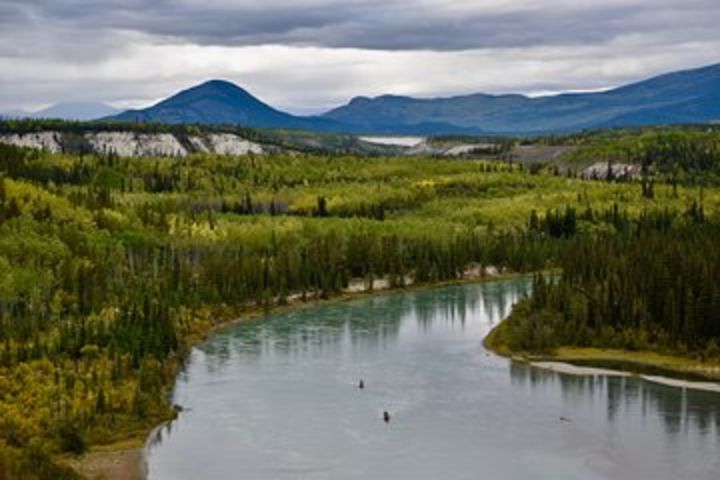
277, 399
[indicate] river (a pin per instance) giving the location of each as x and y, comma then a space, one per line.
277, 398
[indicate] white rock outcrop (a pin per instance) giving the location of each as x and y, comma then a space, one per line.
229, 144
49, 141
466, 149
600, 170
129, 144
160, 144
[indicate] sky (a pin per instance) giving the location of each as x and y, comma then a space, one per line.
307, 56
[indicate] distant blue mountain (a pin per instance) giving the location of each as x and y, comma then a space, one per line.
691, 96
220, 102
14, 114
67, 111
77, 111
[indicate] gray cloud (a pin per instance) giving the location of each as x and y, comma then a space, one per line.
315, 53
373, 24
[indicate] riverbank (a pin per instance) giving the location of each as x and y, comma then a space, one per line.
121, 461
667, 369
578, 370
125, 460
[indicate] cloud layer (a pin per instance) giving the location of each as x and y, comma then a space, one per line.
316, 53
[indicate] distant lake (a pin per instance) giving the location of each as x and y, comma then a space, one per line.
277, 399
394, 141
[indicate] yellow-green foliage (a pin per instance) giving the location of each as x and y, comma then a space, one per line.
111, 267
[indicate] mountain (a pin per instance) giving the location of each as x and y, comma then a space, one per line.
222, 102
691, 96
77, 111
67, 111
14, 114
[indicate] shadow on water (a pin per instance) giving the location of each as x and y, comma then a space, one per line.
678, 409
278, 398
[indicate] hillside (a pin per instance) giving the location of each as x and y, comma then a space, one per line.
691, 96
219, 102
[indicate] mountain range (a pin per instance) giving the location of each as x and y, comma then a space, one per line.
689, 96
67, 111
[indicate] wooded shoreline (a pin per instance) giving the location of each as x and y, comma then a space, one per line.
612, 362
127, 459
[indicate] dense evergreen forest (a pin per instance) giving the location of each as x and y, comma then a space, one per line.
110, 268
650, 285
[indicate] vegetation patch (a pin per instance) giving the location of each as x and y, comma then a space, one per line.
111, 268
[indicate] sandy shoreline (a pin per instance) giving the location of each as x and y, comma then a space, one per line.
671, 382
570, 369
113, 464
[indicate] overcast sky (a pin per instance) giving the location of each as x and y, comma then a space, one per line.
309, 55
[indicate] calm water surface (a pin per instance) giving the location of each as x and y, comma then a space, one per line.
277, 399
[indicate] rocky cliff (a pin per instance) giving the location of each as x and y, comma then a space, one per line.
134, 144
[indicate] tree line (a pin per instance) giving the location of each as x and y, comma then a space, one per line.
650, 285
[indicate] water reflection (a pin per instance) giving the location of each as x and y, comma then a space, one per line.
678, 409
278, 399
374, 323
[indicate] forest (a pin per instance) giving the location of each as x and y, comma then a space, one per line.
649, 285
111, 268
